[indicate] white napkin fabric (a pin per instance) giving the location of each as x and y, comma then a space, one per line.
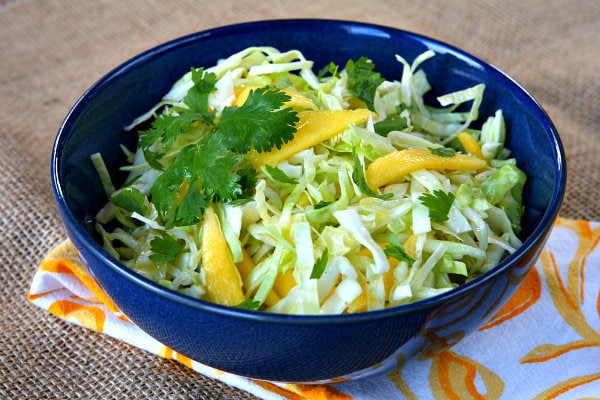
543, 344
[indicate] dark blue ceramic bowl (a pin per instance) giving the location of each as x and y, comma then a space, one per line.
299, 348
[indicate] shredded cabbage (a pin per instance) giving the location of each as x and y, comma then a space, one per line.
326, 218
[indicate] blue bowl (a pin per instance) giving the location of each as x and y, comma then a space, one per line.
283, 347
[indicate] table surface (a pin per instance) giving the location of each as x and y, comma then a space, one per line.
51, 51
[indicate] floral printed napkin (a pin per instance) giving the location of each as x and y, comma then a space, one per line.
543, 344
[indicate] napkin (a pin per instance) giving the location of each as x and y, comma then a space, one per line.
543, 344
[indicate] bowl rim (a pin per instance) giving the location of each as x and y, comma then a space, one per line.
81, 238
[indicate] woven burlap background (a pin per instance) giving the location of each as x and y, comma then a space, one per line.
52, 50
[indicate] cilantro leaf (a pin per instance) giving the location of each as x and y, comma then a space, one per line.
395, 250
197, 96
168, 126
396, 123
165, 248
148, 137
330, 68
260, 122
152, 159
190, 208
362, 81
130, 199
443, 151
439, 203
322, 204
278, 175
167, 186
358, 176
249, 304
208, 162
213, 169
248, 180
214, 164
320, 265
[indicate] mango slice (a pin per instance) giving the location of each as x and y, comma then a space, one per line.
313, 128
470, 144
284, 283
360, 303
410, 245
396, 164
298, 101
223, 281
245, 267
242, 96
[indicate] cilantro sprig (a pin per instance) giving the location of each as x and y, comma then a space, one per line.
363, 80
358, 176
320, 265
130, 199
249, 304
213, 168
278, 175
260, 123
165, 248
438, 203
396, 123
395, 250
443, 151
331, 68
167, 127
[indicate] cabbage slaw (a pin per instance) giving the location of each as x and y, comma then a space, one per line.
322, 215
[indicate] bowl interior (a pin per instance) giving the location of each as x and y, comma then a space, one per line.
95, 124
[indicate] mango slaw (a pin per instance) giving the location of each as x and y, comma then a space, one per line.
378, 200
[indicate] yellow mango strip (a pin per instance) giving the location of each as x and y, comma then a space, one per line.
354, 102
284, 283
241, 94
470, 144
313, 128
245, 267
410, 245
360, 303
396, 164
223, 281
297, 101
303, 201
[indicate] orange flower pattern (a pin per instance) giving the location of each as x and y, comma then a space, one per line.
544, 343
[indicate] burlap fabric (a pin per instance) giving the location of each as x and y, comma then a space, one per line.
51, 51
